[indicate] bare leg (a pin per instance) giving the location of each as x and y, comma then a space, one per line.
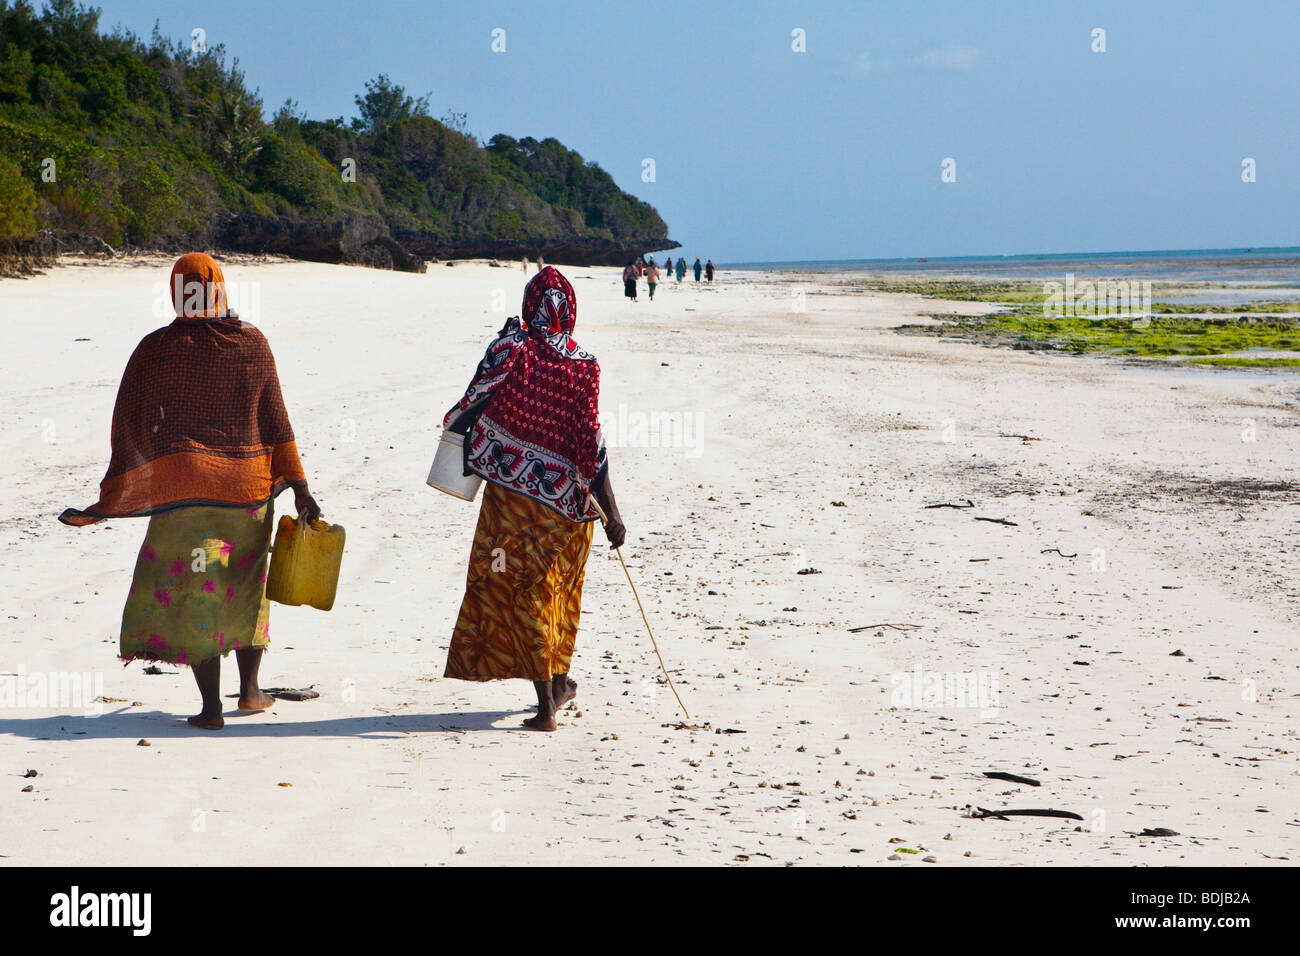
250, 693
208, 677
545, 719
563, 689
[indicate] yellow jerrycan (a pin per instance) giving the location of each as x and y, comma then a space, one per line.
305, 562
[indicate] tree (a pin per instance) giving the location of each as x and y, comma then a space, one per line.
17, 203
288, 118
457, 121
236, 129
73, 24
385, 103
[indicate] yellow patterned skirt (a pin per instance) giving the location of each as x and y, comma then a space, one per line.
523, 593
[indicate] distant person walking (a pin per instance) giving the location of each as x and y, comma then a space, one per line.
541, 263
698, 267
629, 279
525, 265
681, 268
652, 278
708, 270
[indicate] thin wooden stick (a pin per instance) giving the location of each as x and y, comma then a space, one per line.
653, 643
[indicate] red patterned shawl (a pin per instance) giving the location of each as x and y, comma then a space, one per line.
531, 413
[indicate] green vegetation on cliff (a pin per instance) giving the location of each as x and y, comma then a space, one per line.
155, 144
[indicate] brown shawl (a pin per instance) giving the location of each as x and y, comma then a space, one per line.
199, 418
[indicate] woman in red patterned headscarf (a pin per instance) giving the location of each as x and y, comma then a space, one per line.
201, 445
531, 423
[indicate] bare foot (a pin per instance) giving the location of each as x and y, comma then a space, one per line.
540, 723
564, 692
261, 701
206, 721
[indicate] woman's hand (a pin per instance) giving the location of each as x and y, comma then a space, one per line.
615, 532
604, 494
304, 503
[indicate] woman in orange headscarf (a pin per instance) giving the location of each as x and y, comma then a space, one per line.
201, 444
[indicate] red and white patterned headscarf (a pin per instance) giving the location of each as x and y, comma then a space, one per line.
531, 414
551, 310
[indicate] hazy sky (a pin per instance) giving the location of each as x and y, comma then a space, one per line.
763, 153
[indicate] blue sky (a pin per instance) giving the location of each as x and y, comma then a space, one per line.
762, 153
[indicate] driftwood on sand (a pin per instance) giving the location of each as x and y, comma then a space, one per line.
982, 814
1014, 778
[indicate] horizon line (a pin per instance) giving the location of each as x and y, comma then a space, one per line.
1018, 255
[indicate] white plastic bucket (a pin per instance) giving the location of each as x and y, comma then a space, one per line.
448, 470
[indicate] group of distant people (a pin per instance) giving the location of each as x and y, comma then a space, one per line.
636, 268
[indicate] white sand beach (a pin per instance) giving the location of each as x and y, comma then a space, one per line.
1144, 671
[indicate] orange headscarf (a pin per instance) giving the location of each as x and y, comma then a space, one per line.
198, 288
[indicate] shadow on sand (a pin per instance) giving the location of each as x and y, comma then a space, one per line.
156, 725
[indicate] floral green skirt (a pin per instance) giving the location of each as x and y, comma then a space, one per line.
199, 588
